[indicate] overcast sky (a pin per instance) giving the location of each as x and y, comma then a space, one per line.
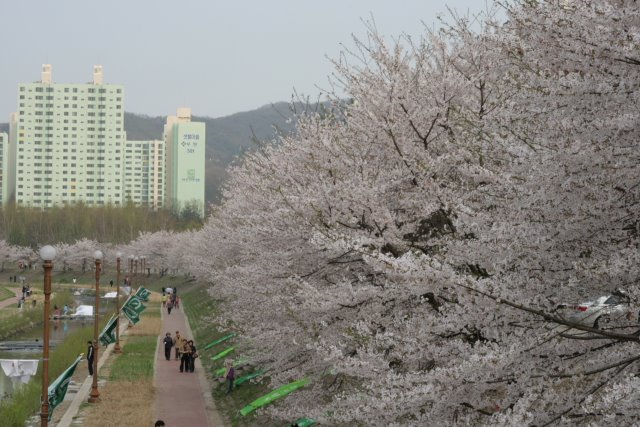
217, 57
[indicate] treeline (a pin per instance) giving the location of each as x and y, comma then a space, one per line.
26, 226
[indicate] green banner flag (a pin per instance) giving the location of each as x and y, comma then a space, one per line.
302, 422
58, 389
143, 294
132, 309
236, 363
274, 395
108, 334
245, 378
223, 353
220, 340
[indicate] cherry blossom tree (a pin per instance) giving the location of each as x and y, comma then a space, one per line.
75, 256
13, 253
409, 249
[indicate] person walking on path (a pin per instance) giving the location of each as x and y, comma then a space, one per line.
185, 360
164, 300
168, 343
193, 356
231, 375
169, 307
179, 344
182, 399
90, 355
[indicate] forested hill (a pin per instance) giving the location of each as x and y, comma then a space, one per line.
227, 137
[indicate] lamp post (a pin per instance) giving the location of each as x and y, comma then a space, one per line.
117, 348
47, 253
94, 397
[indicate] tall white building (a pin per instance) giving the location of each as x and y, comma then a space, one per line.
4, 157
144, 171
68, 142
185, 161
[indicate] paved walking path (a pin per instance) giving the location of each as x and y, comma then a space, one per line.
182, 399
11, 301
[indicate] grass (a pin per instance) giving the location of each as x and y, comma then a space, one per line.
199, 307
136, 362
123, 403
25, 402
6, 293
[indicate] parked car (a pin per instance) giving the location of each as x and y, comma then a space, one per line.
598, 312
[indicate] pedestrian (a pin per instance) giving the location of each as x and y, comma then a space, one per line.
90, 353
194, 356
177, 303
169, 307
164, 300
159, 423
185, 360
231, 375
179, 344
168, 343
111, 283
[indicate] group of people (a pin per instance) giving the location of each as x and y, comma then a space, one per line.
57, 312
170, 300
185, 351
26, 292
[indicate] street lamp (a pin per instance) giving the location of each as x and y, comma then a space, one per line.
117, 348
47, 253
94, 397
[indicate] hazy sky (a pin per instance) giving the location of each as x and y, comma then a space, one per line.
217, 57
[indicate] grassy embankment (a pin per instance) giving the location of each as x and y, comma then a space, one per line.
128, 391
200, 307
25, 402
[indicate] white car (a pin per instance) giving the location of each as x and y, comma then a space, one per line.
598, 312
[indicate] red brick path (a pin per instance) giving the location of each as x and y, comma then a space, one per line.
179, 398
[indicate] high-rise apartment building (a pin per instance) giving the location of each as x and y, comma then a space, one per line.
4, 157
67, 143
185, 147
144, 170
